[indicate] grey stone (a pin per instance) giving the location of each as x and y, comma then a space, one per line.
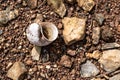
88, 69
110, 60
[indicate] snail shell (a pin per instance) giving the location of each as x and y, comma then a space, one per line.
42, 34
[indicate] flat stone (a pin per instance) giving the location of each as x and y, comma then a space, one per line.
65, 61
16, 71
110, 60
35, 53
100, 18
32, 3
74, 29
58, 7
87, 5
110, 46
88, 69
96, 35
115, 77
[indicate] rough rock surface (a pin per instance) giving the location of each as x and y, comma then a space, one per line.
35, 53
89, 69
110, 60
74, 29
16, 70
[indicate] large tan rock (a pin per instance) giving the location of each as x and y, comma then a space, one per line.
74, 29
110, 60
16, 70
87, 5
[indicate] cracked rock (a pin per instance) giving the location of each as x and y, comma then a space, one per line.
74, 29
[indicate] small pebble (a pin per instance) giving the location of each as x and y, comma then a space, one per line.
48, 66
88, 69
96, 35
65, 61
100, 18
71, 52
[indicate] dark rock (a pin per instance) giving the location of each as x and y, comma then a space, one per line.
107, 34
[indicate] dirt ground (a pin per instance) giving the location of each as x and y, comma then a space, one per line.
14, 45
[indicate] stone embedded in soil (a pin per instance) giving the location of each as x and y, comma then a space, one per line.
58, 7
95, 55
74, 29
107, 34
16, 71
88, 69
110, 60
7, 15
87, 5
110, 46
32, 3
71, 52
115, 77
35, 53
96, 35
66, 61
100, 18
